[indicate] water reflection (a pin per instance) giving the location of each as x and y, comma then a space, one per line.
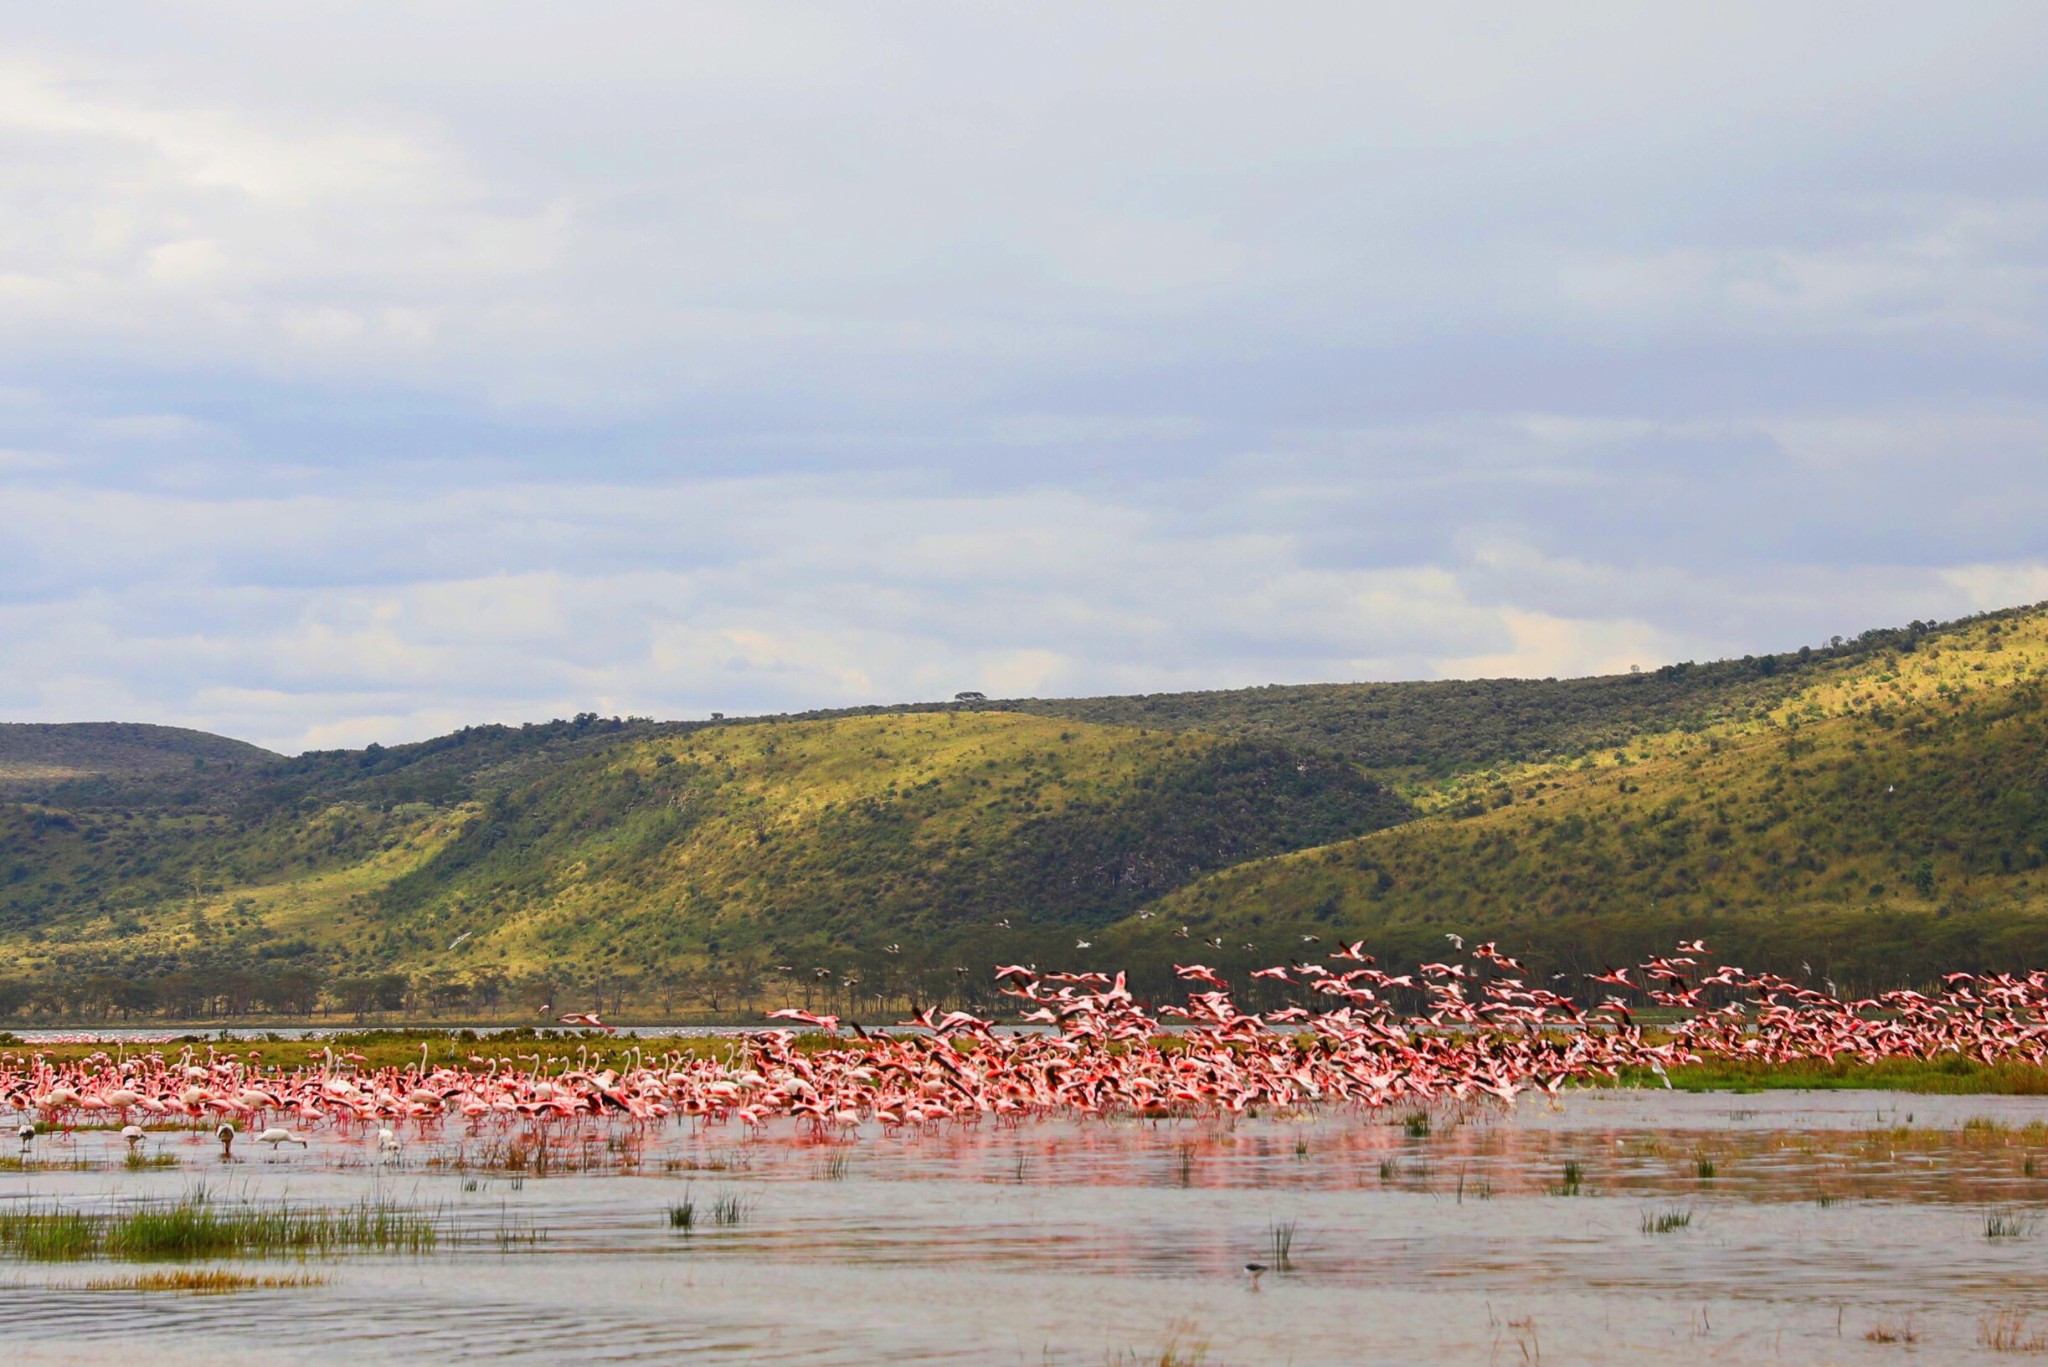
1812, 1221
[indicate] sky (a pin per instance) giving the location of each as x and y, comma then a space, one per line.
369, 370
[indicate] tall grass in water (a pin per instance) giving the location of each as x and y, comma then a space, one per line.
194, 1228
1574, 1179
728, 1208
2010, 1331
212, 1281
1184, 1166
1416, 1123
2009, 1224
1183, 1347
1280, 1244
1667, 1221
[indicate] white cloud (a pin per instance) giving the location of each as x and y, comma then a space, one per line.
305, 621
379, 368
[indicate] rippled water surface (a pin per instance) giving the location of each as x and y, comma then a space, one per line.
1829, 1221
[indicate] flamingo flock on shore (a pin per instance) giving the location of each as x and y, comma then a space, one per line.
1483, 1033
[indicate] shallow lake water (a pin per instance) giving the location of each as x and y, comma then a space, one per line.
1830, 1221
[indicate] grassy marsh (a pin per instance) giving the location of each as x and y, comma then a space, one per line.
211, 1281
195, 1227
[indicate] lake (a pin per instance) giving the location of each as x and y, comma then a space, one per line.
1831, 1227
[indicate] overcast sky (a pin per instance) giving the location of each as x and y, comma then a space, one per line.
371, 369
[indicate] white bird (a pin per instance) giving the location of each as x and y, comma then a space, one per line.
1084, 944
456, 943
27, 1135
133, 1134
275, 1136
1457, 941
387, 1140
226, 1135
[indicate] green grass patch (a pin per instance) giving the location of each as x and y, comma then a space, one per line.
211, 1281
195, 1227
1953, 1075
1667, 1221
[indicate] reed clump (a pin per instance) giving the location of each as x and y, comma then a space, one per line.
2009, 1224
2011, 1330
1184, 1347
1667, 1221
194, 1227
1893, 1331
1280, 1244
1574, 1179
210, 1281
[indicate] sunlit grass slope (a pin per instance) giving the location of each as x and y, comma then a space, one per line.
923, 829
1890, 816
654, 854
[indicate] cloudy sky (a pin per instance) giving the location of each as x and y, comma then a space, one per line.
369, 369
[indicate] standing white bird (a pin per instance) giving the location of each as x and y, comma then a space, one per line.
275, 1136
387, 1140
134, 1135
27, 1135
226, 1135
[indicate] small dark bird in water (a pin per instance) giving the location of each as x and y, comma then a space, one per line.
1255, 1271
27, 1135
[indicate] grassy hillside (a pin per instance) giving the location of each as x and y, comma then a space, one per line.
1876, 808
648, 858
37, 756
1424, 732
1887, 818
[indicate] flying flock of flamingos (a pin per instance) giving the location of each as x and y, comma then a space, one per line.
1483, 1033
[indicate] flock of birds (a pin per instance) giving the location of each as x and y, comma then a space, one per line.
1353, 1035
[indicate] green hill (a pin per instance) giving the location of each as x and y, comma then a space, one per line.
1886, 819
1877, 809
1424, 732
658, 854
36, 757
